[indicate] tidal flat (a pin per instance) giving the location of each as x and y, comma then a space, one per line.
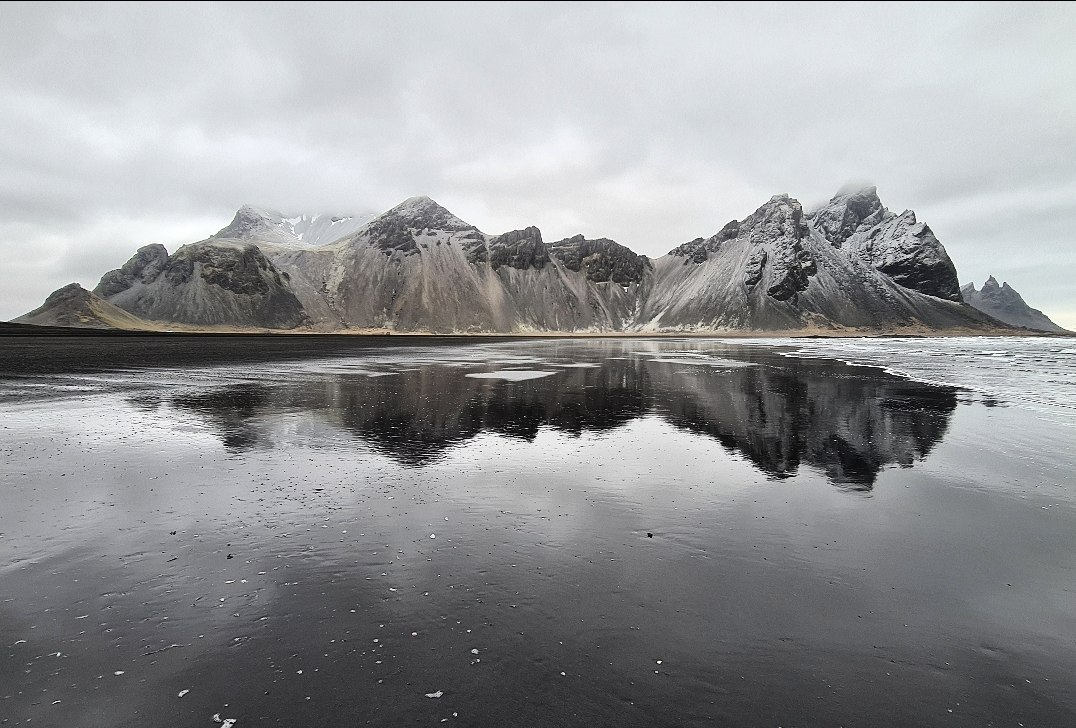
569, 532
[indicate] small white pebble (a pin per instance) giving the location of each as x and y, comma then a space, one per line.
183, 692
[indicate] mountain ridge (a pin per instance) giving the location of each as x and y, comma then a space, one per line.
1005, 304
849, 266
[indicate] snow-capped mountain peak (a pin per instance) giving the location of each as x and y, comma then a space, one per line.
302, 231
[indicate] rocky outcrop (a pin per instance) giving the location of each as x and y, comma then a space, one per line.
776, 230
403, 228
212, 283
249, 222
74, 306
699, 249
601, 260
143, 267
847, 212
521, 249
1005, 304
773, 235
898, 245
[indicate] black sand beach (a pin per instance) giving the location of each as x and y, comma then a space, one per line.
606, 532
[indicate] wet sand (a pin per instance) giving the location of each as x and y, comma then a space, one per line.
649, 533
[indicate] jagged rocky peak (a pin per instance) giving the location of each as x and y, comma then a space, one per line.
394, 230
1005, 304
143, 267
239, 268
699, 249
779, 219
423, 213
250, 222
520, 249
993, 290
72, 292
601, 260
908, 252
776, 232
899, 246
847, 211
213, 282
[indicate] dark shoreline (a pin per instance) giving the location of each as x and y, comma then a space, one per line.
30, 330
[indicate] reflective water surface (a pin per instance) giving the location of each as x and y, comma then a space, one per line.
292, 531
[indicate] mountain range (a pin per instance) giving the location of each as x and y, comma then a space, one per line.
851, 266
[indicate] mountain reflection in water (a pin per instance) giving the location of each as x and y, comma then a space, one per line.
776, 412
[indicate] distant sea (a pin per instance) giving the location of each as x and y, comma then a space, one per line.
1039, 373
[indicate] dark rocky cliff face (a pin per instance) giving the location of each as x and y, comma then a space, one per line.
1005, 304
898, 245
143, 267
847, 212
213, 283
699, 249
852, 264
601, 260
521, 249
776, 233
400, 229
242, 270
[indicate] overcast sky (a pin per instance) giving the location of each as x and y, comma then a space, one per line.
651, 124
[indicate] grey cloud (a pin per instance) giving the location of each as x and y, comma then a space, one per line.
648, 123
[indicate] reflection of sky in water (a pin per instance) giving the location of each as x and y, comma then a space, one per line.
511, 375
806, 518
778, 414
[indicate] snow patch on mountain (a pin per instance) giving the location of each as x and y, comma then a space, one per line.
299, 231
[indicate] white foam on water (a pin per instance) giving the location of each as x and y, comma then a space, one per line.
1035, 372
